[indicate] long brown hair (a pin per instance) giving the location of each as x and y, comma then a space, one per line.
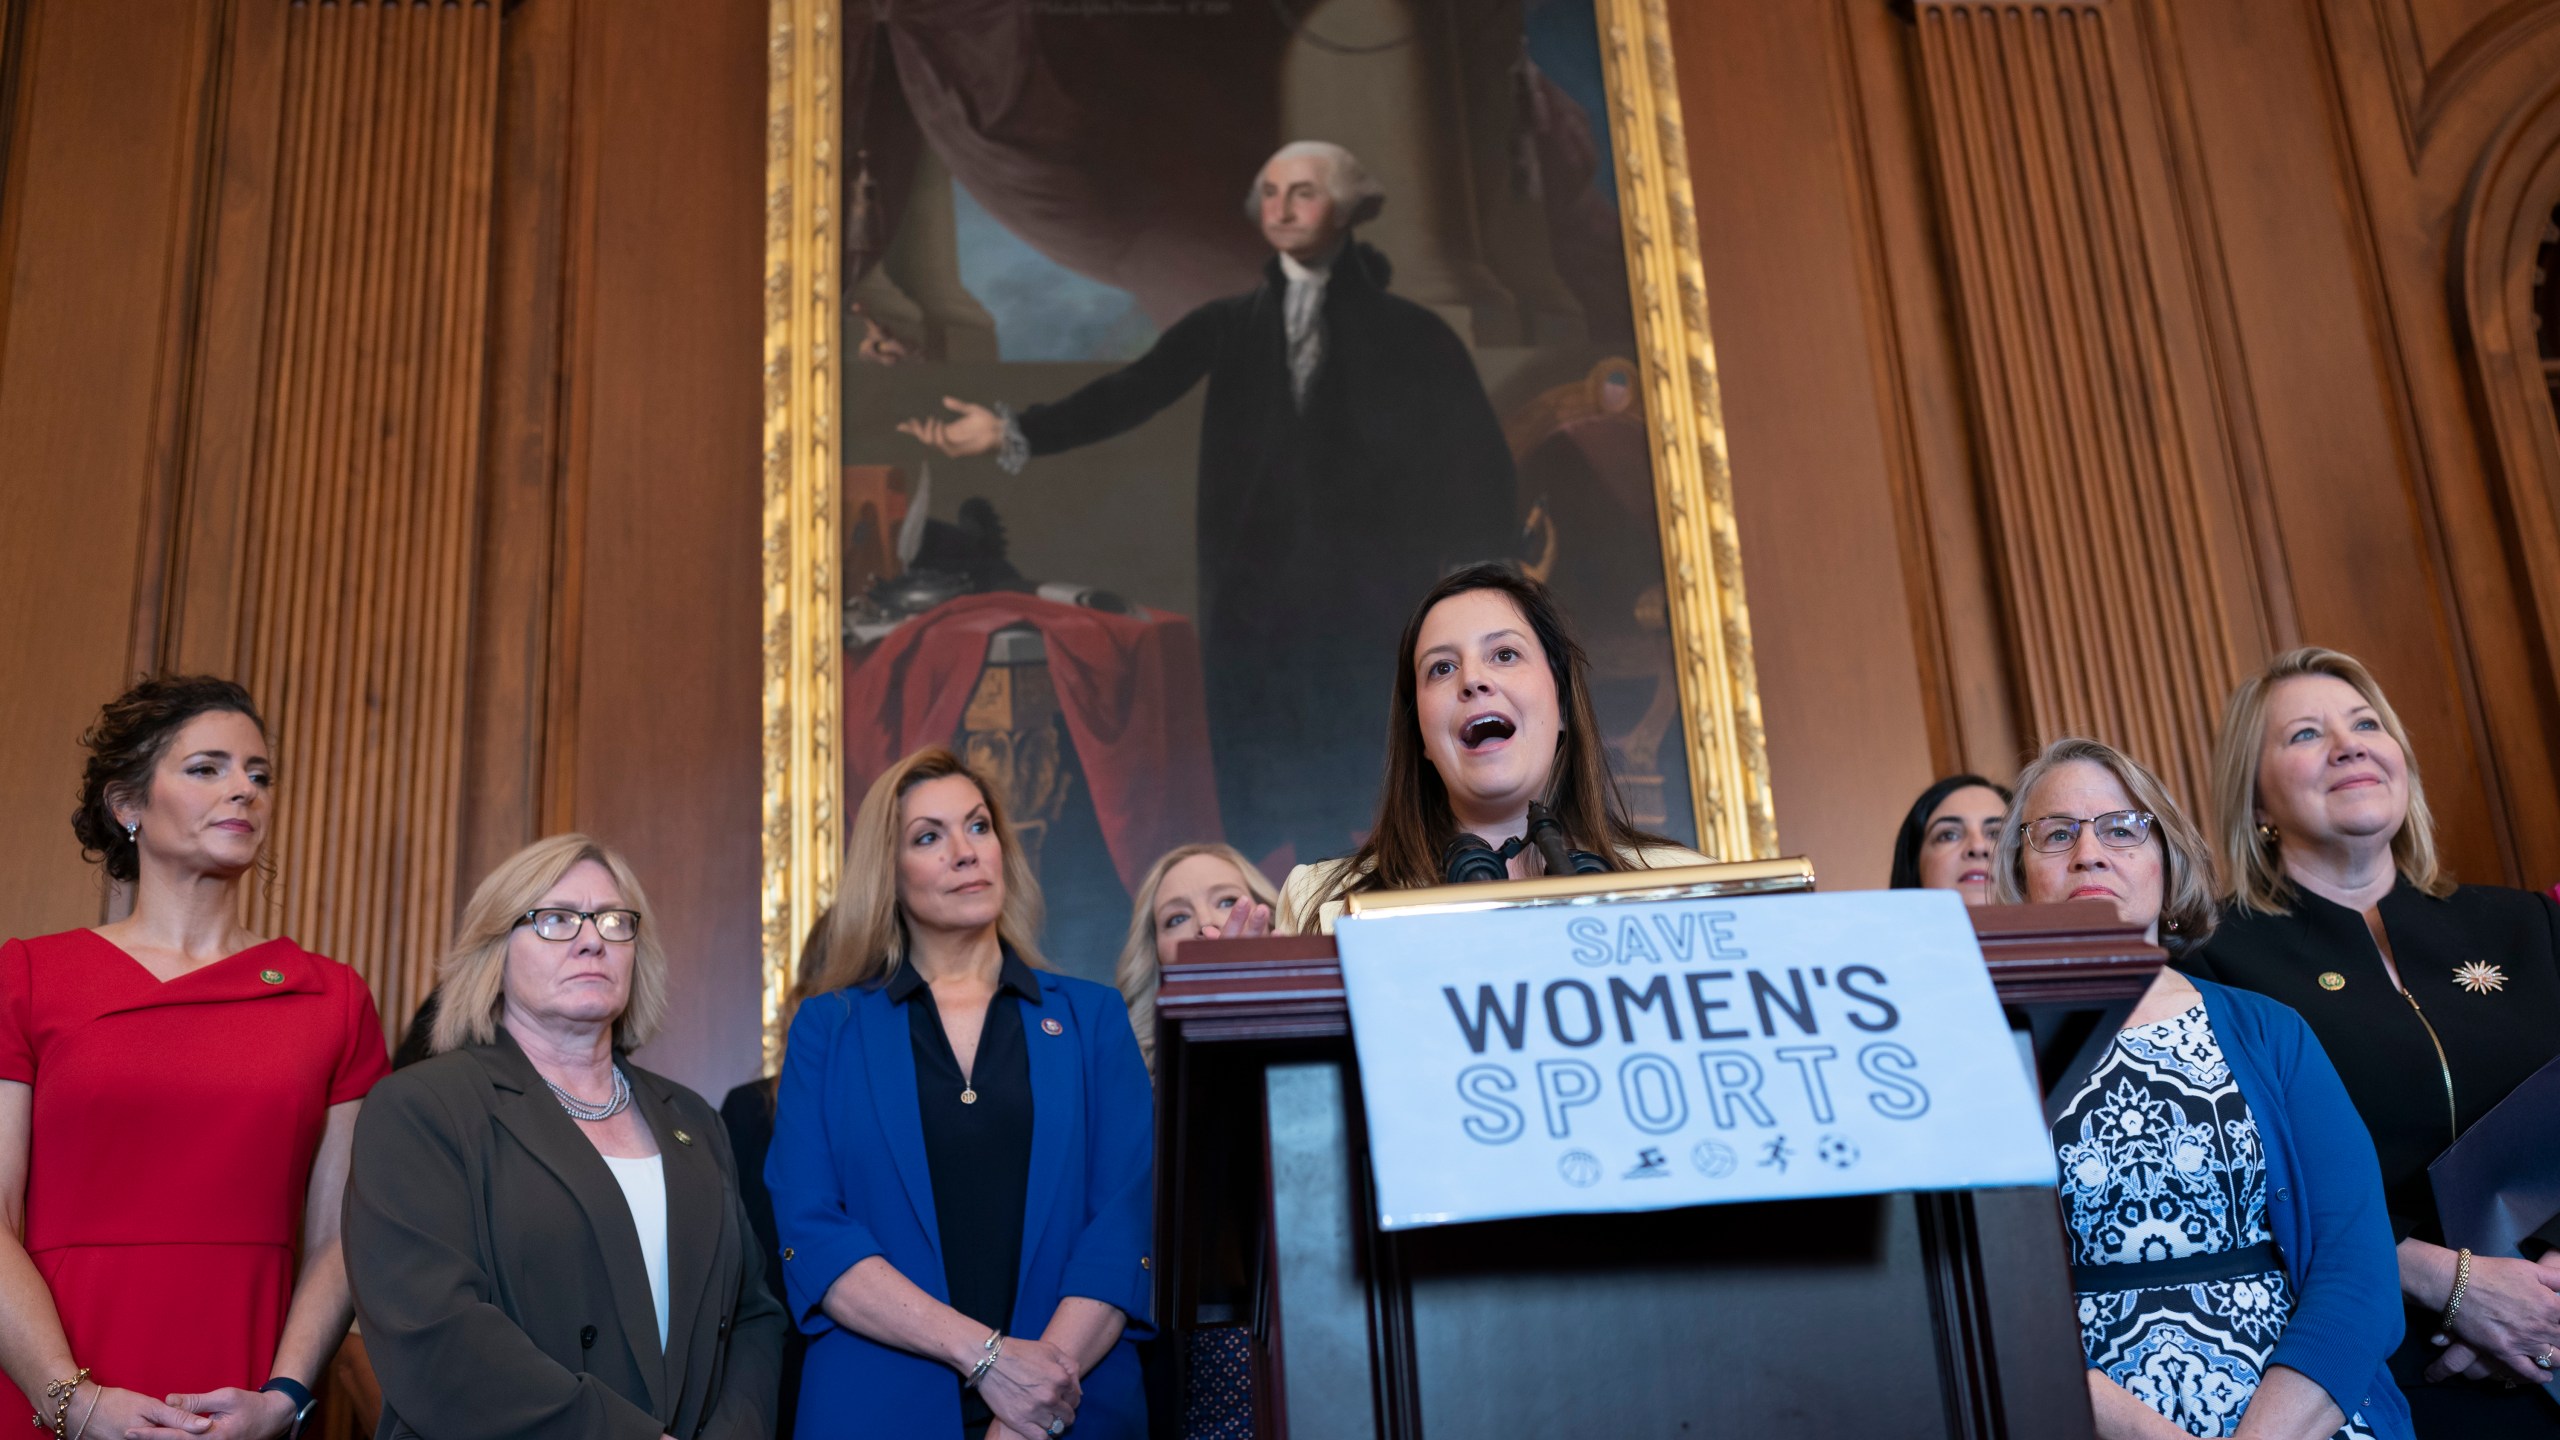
866, 927
1415, 823
2250, 855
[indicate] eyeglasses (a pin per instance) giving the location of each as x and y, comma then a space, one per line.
2117, 830
617, 926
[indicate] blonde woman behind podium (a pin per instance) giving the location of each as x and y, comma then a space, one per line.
2229, 1247
1193, 892
1491, 711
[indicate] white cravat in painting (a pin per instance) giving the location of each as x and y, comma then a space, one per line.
1302, 312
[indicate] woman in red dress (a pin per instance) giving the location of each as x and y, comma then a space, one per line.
177, 1102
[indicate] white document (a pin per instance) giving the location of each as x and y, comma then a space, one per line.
1577, 1058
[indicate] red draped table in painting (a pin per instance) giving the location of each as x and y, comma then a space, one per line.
1944, 1314
999, 676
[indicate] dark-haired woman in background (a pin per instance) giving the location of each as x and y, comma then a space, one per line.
747, 1110
963, 1157
2436, 999
1947, 841
177, 1101
1491, 712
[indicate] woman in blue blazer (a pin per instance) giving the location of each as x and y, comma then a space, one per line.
2231, 1255
963, 1154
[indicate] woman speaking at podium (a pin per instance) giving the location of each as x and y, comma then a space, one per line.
1491, 740
2229, 1246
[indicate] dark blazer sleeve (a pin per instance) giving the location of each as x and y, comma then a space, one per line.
457, 1365
810, 1209
751, 1383
1110, 1260
2548, 1237
2348, 1319
1131, 395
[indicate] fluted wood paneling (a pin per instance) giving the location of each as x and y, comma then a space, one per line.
2072, 308
355, 589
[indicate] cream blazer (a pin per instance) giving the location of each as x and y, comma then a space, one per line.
1305, 906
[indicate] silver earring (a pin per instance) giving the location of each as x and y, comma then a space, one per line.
132, 828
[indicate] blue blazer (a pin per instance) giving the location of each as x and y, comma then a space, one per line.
849, 1181
2324, 1203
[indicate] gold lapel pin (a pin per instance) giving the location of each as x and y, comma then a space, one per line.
2332, 980
272, 977
683, 1139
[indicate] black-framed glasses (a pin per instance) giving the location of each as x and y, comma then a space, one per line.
612, 925
2117, 830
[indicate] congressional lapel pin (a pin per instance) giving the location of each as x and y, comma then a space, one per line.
2480, 977
1052, 1027
683, 1139
2332, 980
272, 977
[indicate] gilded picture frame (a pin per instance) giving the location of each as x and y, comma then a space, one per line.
804, 358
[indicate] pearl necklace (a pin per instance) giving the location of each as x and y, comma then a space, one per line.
585, 1110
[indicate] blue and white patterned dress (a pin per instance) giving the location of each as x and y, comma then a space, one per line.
2160, 1161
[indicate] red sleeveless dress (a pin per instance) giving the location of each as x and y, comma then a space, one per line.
175, 1124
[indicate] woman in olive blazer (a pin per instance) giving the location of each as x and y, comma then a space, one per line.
518, 1269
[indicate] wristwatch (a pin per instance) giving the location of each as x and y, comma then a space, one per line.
300, 1394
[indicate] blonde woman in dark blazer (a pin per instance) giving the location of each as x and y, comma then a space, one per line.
544, 1238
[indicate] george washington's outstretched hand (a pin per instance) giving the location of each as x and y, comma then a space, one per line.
967, 430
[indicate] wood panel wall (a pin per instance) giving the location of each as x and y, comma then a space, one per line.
2103, 464
348, 611
2076, 354
2298, 178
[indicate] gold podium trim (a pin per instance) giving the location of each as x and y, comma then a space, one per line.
1793, 875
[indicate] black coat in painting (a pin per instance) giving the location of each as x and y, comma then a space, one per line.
1318, 529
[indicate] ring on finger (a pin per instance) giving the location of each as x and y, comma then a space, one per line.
2544, 1359
1057, 1428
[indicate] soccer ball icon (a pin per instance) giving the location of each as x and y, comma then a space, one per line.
1713, 1160
1580, 1169
1836, 1151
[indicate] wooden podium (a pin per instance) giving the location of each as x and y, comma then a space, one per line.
1899, 1317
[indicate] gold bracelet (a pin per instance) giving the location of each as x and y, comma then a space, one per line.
2453, 1302
91, 1413
60, 1393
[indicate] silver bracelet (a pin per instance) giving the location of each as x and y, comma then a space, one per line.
986, 1362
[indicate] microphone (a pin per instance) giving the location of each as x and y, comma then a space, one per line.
1547, 833
1470, 859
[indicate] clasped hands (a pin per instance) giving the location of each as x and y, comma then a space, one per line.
1032, 1386
228, 1414
2510, 1315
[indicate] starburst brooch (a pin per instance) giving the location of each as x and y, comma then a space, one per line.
2480, 977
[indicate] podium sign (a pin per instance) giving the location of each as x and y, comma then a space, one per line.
1570, 1059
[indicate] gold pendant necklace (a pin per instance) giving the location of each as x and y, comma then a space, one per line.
968, 1095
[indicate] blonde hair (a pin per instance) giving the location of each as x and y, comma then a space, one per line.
2254, 860
866, 928
471, 979
2186, 872
1141, 967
